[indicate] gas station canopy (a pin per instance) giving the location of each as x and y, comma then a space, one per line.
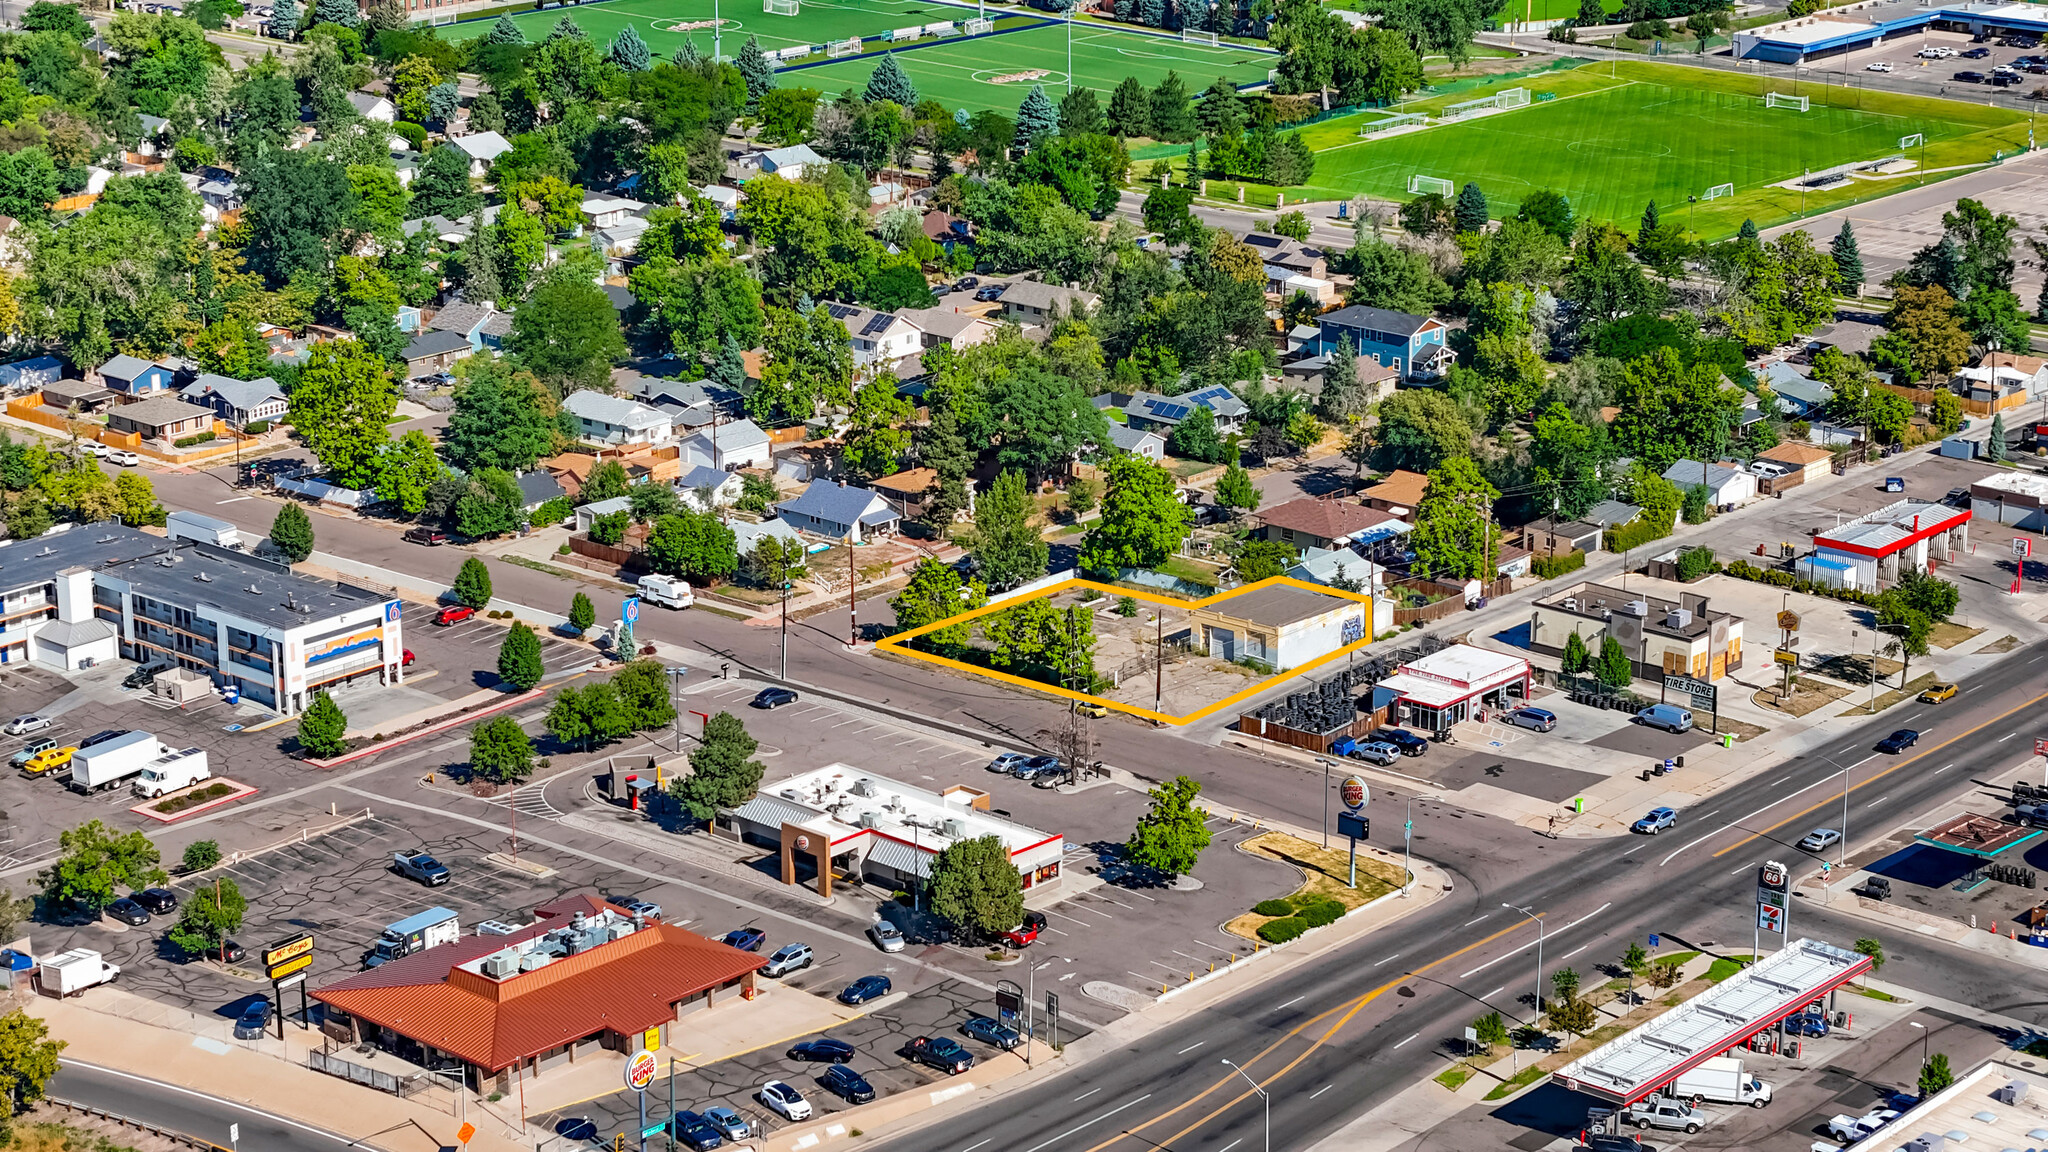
1977, 835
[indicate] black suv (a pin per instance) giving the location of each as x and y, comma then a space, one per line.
1968, 77
1408, 742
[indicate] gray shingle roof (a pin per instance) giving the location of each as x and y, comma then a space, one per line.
125, 367
602, 409
436, 344
538, 487
1128, 438
827, 501
243, 394
461, 316
1375, 320
158, 411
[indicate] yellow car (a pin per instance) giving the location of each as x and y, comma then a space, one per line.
1094, 711
42, 762
1938, 693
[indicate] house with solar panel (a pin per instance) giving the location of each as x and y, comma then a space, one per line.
1151, 412
1414, 344
879, 338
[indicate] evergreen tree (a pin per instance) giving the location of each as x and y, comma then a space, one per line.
342, 12
1994, 445
505, 31
323, 730
1748, 232
1195, 168
1130, 108
473, 584
1036, 116
942, 446
891, 83
1152, 13
1575, 658
1471, 212
689, 55
1849, 260
582, 613
443, 99
729, 369
292, 533
1649, 224
1341, 399
284, 19
1172, 119
566, 29
1289, 162
1081, 113
756, 71
519, 662
629, 51
1612, 668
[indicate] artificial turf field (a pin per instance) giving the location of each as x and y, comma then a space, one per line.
957, 71
1618, 136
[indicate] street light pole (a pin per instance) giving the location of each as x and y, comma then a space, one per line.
1923, 1041
1539, 950
1268, 1101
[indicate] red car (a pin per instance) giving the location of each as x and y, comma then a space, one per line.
406, 660
453, 614
1025, 933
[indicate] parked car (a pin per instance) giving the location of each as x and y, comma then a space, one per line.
425, 535
1027, 932
1849, 1129
1663, 1112
1006, 762
992, 292
1976, 53
2004, 79
31, 750
1090, 709
1036, 766
774, 697
1899, 741
1811, 1024
746, 939
123, 457
785, 1101
1878, 66
48, 759
969, 282
1936, 693
1377, 752
1597, 1143
692, 1131
1535, 718
991, 1032
1669, 717
254, 1020
1657, 820
23, 725
729, 1123
101, 737
635, 906
144, 673
941, 1052
824, 1050
405, 661
1968, 77
1408, 742
128, 911
157, 901
93, 448
865, 989
1819, 840
887, 936
846, 1084
788, 958
453, 614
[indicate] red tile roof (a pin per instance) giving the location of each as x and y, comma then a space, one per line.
627, 985
1327, 519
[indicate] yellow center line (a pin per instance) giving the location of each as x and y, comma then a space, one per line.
1876, 776
1350, 1010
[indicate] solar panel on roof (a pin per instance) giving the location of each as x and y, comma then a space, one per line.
877, 323
840, 311
1171, 411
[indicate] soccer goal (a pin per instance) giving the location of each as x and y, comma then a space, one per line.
1780, 100
1420, 185
979, 26
1197, 36
779, 7
1718, 191
847, 47
443, 19
1913, 141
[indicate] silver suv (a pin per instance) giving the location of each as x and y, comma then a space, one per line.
788, 958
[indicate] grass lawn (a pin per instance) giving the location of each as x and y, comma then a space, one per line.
1618, 135
655, 21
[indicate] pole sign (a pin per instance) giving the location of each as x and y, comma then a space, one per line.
294, 954
1354, 793
640, 1070
1773, 883
1354, 826
631, 610
1705, 696
2022, 547
1009, 999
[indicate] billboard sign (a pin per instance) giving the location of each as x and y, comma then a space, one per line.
640, 1070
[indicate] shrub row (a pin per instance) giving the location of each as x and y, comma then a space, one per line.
1279, 907
1635, 535
1296, 915
1744, 570
1281, 931
212, 791
189, 441
1694, 563
1546, 567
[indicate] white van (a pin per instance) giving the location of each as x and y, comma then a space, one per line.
1669, 717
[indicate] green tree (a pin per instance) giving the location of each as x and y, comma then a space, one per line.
209, 917
342, 403
93, 860
442, 186
935, 592
28, 1058
607, 482
1935, 1075
1036, 117
1455, 537
1634, 960
723, 772
1471, 212
1550, 210
323, 730
200, 855
1930, 324
1235, 490
1172, 119
1848, 260
1421, 428
628, 51
1565, 982
409, 471
1874, 948
502, 419
582, 614
1005, 544
1994, 444
1490, 1030
876, 437
567, 334
695, 545
1130, 108
1945, 412
1172, 833
1195, 438
1613, 667
889, 82
473, 584
1166, 211
500, 752
1081, 113
755, 70
291, 530
519, 662
1575, 659
1142, 521
1342, 397
1573, 1017
975, 887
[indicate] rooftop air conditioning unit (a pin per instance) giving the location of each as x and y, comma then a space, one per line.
864, 787
792, 794
1571, 604
871, 819
535, 959
499, 965
1636, 608
956, 828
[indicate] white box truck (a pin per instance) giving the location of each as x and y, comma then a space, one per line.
170, 773
115, 762
416, 933
1721, 1080
667, 591
69, 973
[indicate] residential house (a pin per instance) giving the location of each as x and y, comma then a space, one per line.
468, 321
610, 420
946, 229
449, 232
1612, 514
1412, 344
838, 511
537, 488
1329, 565
482, 148
587, 514
30, 375
164, 418
1513, 561
906, 492
609, 211
155, 132
1799, 395
879, 338
727, 199
1399, 494
2000, 382
218, 196
731, 445
1725, 483
1549, 537
1282, 286
790, 163
748, 534
1376, 381
432, 352
239, 403
61, 396
1290, 254
944, 327
1138, 442
1811, 459
1313, 522
703, 487
692, 404
1035, 302
371, 106
133, 378
1149, 411
621, 297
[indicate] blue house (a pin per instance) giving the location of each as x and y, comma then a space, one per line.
1413, 344
132, 376
838, 512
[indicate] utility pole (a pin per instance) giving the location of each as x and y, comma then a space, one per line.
1159, 658
852, 620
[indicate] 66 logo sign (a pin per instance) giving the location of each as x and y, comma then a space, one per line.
1773, 882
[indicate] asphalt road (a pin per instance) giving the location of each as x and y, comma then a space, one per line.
183, 1110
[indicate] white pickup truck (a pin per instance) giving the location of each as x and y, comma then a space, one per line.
1850, 1129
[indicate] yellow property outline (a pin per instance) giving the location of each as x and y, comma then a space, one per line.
897, 642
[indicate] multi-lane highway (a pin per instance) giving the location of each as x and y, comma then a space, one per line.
196, 1114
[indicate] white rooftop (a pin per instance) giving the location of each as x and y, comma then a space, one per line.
841, 801
1891, 526
2025, 483
1981, 1110
1469, 666
1632, 1066
1811, 31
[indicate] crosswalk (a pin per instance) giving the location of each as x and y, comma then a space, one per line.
529, 801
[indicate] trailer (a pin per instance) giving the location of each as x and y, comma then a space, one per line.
69, 973
170, 773
115, 762
666, 591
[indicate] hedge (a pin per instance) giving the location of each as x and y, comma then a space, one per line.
1281, 931
256, 427
189, 441
1274, 907
1744, 570
1634, 535
1694, 563
554, 511
1321, 913
1546, 567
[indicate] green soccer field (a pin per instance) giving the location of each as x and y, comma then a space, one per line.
1615, 138
997, 71
657, 21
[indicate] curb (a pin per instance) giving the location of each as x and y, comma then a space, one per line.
431, 729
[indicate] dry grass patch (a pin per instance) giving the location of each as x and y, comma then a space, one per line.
1326, 870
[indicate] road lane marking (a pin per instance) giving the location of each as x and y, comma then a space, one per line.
972, 1147
1402, 1042
234, 500
1495, 992
1944, 768
1290, 1003
1637, 848
1232, 1144
1395, 956
1476, 919
1085, 1095
1574, 952
1879, 800
1191, 1048
1085, 1123
1778, 781
2007, 736
1518, 951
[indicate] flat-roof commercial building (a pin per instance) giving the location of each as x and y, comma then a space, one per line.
273, 635
2016, 499
874, 828
1683, 637
1872, 550
586, 980
1447, 687
1279, 625
1818, 38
